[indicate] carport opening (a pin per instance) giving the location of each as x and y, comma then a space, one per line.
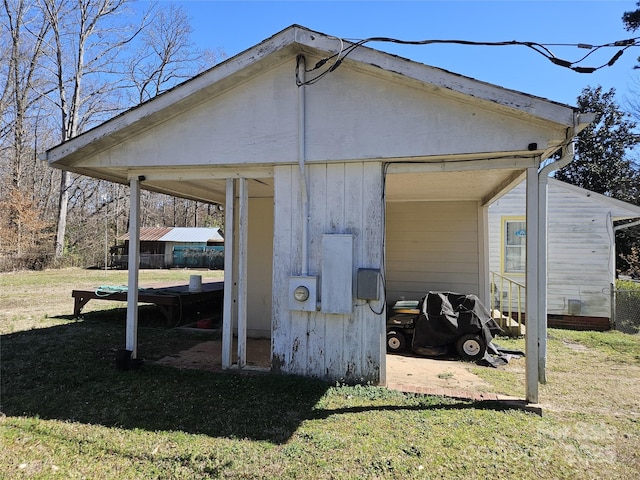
431, 244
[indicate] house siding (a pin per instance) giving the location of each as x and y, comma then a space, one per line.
580, 248
431, 246
344, 199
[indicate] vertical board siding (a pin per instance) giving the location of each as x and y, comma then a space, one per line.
580, 242
431, 246
344, 199
318, 216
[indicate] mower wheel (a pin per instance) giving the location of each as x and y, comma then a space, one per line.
396, 341
471, 347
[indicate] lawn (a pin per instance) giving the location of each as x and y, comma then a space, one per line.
67, 412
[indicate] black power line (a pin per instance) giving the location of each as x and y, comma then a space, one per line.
542, 49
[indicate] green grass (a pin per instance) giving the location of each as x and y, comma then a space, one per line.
67, 412
627, 285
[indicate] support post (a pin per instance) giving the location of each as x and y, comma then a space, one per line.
133, 266
532, 286
243, 229
483, 267
542, 279
227, 314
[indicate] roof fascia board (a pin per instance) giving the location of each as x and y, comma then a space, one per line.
200, 173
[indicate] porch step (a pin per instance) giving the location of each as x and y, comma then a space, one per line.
508, 324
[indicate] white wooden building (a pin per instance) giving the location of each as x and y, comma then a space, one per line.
367, 184
581, 250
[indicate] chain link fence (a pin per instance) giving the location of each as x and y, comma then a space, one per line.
626, 310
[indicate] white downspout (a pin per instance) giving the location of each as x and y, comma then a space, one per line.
543, 181
580, 120
301, 161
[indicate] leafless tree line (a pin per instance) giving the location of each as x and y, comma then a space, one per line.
66, 66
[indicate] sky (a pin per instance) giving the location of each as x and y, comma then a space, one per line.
234, 26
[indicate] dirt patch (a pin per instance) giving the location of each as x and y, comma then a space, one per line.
208, 355
576, 347
402, 370
405, 370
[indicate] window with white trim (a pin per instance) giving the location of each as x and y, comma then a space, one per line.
514, 243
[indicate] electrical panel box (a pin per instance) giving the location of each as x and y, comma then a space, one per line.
368, 284
303, 293
337, 274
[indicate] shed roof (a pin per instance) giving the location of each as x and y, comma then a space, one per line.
178, 234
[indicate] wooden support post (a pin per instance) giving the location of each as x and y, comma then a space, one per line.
229, 252
483, 248
243, 229
532, 286
134, 266
542, 279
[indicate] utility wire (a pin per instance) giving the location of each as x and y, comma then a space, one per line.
542, 49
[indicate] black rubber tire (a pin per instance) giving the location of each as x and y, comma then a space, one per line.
471, 347
396, 341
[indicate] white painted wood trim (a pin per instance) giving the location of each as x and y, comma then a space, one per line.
186, 173
542, 277
134, 267
462, 164
227, 313
483, 250
243, 230
531, 340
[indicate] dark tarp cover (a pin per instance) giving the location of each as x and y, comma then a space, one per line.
446, 316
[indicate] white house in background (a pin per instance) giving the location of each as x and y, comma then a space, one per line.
581, 250
373, 178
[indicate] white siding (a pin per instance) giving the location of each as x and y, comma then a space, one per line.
344, 199
259, 267
406, 122
431, 246
401, 121
580, 247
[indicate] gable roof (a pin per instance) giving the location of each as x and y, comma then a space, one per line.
292, 40
242, 118
620, 210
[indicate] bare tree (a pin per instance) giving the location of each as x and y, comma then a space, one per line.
26, 34
65, 66
166, 55
23, 224
85, 43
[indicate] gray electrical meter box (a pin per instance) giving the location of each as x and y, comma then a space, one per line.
368, 284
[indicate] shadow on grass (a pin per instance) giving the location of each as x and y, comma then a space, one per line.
68, 373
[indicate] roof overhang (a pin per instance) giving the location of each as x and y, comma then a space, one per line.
208, 184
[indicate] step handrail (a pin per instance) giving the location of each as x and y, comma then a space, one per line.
514, 306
